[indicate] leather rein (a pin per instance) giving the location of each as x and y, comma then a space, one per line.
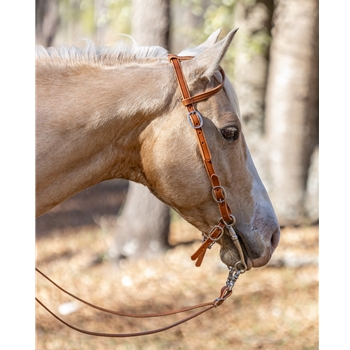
227, 221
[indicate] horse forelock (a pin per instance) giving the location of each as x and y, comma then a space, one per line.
121, 54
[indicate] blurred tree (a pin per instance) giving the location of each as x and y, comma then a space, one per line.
151, 22
292, 106
195, 20
266, 76
47, 21
251, 60
143, 227
252, 46
100, 20
188, 21
276, 77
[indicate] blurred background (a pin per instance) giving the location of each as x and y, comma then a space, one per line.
273, 65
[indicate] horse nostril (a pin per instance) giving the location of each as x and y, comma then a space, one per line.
275, 238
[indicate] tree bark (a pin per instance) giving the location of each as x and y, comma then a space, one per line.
47, 21
251, 61
292, 105
252, 45
151, 22
143, 226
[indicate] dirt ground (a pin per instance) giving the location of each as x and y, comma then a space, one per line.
274, 307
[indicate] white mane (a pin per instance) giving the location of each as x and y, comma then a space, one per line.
121, 54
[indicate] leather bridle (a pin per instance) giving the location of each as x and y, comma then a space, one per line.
227, 221
195, 119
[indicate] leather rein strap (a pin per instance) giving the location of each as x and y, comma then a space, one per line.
226, 221
226, 291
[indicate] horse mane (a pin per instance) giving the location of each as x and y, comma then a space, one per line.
121, 54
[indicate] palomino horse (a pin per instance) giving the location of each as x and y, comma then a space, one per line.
106, 113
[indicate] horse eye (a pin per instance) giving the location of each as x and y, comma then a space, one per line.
230, 133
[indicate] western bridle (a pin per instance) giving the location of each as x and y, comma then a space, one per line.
227, 220
195, 119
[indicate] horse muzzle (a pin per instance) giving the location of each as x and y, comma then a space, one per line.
258, 248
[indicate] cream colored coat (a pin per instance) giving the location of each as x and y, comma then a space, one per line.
104, 113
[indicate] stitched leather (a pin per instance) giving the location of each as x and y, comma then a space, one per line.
189, 101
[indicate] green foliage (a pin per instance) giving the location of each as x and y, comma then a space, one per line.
80, 18
211, 15
118, 16
214, 14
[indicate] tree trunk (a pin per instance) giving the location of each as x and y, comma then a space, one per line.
252, 45
151, 22
46, 21
143, 226
292, 105
186, 23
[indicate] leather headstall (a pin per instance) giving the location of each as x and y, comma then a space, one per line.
227, 220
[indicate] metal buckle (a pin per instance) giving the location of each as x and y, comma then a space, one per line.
214, 196
190, 120
214, 239
229, 225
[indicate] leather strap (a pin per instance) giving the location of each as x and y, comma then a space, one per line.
224, 294
196, 120
200, 252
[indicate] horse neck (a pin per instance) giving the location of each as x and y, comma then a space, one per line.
88, 124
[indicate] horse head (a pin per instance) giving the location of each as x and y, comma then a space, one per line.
123, 117
174, 169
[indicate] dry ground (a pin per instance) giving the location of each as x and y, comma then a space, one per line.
275, 307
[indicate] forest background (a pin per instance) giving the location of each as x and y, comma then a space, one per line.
272, 63
336, 110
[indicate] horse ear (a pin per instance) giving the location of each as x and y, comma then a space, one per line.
207, 62
213, 38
